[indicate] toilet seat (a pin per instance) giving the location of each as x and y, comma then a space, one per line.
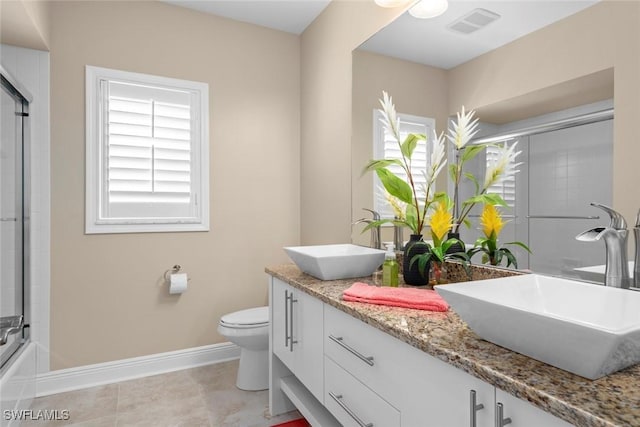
249, 318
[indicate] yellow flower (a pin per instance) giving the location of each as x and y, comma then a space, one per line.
440, 222
491, 221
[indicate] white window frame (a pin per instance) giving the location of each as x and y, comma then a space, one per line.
380, 204
96, 156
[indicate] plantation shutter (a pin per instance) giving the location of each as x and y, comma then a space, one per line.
390, 150
149, 146
507, 188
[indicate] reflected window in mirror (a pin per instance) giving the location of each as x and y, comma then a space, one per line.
385, 146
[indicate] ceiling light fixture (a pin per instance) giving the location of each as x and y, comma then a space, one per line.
391, 3
429, 8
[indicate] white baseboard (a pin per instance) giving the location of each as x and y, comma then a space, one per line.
121, 370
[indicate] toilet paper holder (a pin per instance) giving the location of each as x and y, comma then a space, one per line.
173, 270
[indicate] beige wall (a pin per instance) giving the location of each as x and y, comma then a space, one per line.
373, 73
581, 49
325, 210
107, 300
25, 23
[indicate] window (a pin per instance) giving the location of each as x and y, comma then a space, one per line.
147, 153
385, 146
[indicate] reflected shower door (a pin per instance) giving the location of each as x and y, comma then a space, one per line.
12, 109
568, 169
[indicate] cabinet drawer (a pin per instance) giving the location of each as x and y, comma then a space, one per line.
352, 403
374, 357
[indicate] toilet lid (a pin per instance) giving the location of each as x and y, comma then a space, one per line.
251, 316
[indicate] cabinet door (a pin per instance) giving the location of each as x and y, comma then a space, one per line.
307, 341
441, 396
280, 321
523, 414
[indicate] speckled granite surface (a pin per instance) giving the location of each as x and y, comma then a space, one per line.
609, 401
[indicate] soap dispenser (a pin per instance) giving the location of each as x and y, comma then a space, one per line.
390, 268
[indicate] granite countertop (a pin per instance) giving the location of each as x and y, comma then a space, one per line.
610, 401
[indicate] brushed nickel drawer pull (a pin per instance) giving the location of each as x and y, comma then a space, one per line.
338, 399
500, 420
366, 359
291, 340
473, 408
286, 318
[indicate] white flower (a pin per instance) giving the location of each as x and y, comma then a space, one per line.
503, 167
389, 116
463, 129
437, 161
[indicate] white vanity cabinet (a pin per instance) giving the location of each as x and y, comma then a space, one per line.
425, 391
297, 322
339, 370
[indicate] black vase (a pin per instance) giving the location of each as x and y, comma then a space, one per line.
412, 275
456, 247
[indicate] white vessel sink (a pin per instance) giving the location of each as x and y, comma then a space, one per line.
587, 329
595, 273
334, 262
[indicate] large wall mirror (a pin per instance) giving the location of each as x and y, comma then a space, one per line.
500, 58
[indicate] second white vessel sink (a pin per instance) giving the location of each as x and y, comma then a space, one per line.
586, 329
334, 262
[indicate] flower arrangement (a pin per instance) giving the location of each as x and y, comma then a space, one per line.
413, 202
441, 223
492, 224
461, 132
404, 196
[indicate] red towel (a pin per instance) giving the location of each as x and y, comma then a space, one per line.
421, 299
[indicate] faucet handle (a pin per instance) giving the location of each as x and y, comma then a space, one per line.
617, 220
376, 215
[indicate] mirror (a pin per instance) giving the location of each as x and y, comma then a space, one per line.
513, 74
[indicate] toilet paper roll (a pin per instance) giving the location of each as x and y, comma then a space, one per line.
177, 283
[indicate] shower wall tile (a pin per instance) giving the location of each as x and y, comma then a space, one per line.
32, 67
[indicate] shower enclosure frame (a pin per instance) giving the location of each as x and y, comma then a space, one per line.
23, 96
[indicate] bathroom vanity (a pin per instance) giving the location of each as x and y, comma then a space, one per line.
354, 364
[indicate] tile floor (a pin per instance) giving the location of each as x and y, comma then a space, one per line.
199, 397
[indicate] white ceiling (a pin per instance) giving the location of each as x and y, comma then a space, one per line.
292, 16
428, 41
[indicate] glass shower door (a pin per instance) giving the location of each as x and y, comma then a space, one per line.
13, 110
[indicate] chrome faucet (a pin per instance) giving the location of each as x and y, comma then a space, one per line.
375, 230
615, 242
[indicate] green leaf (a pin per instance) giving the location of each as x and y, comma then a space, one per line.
410, 143
453, 175
467, 222
411, 215
422, 260
378, 223
473, 179
438, 253
522, 245
395, 186
374, 165
470, 151
511, 259
486, 198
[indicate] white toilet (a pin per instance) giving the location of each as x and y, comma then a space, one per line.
249, 330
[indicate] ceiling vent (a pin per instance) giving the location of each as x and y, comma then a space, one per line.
473, 21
